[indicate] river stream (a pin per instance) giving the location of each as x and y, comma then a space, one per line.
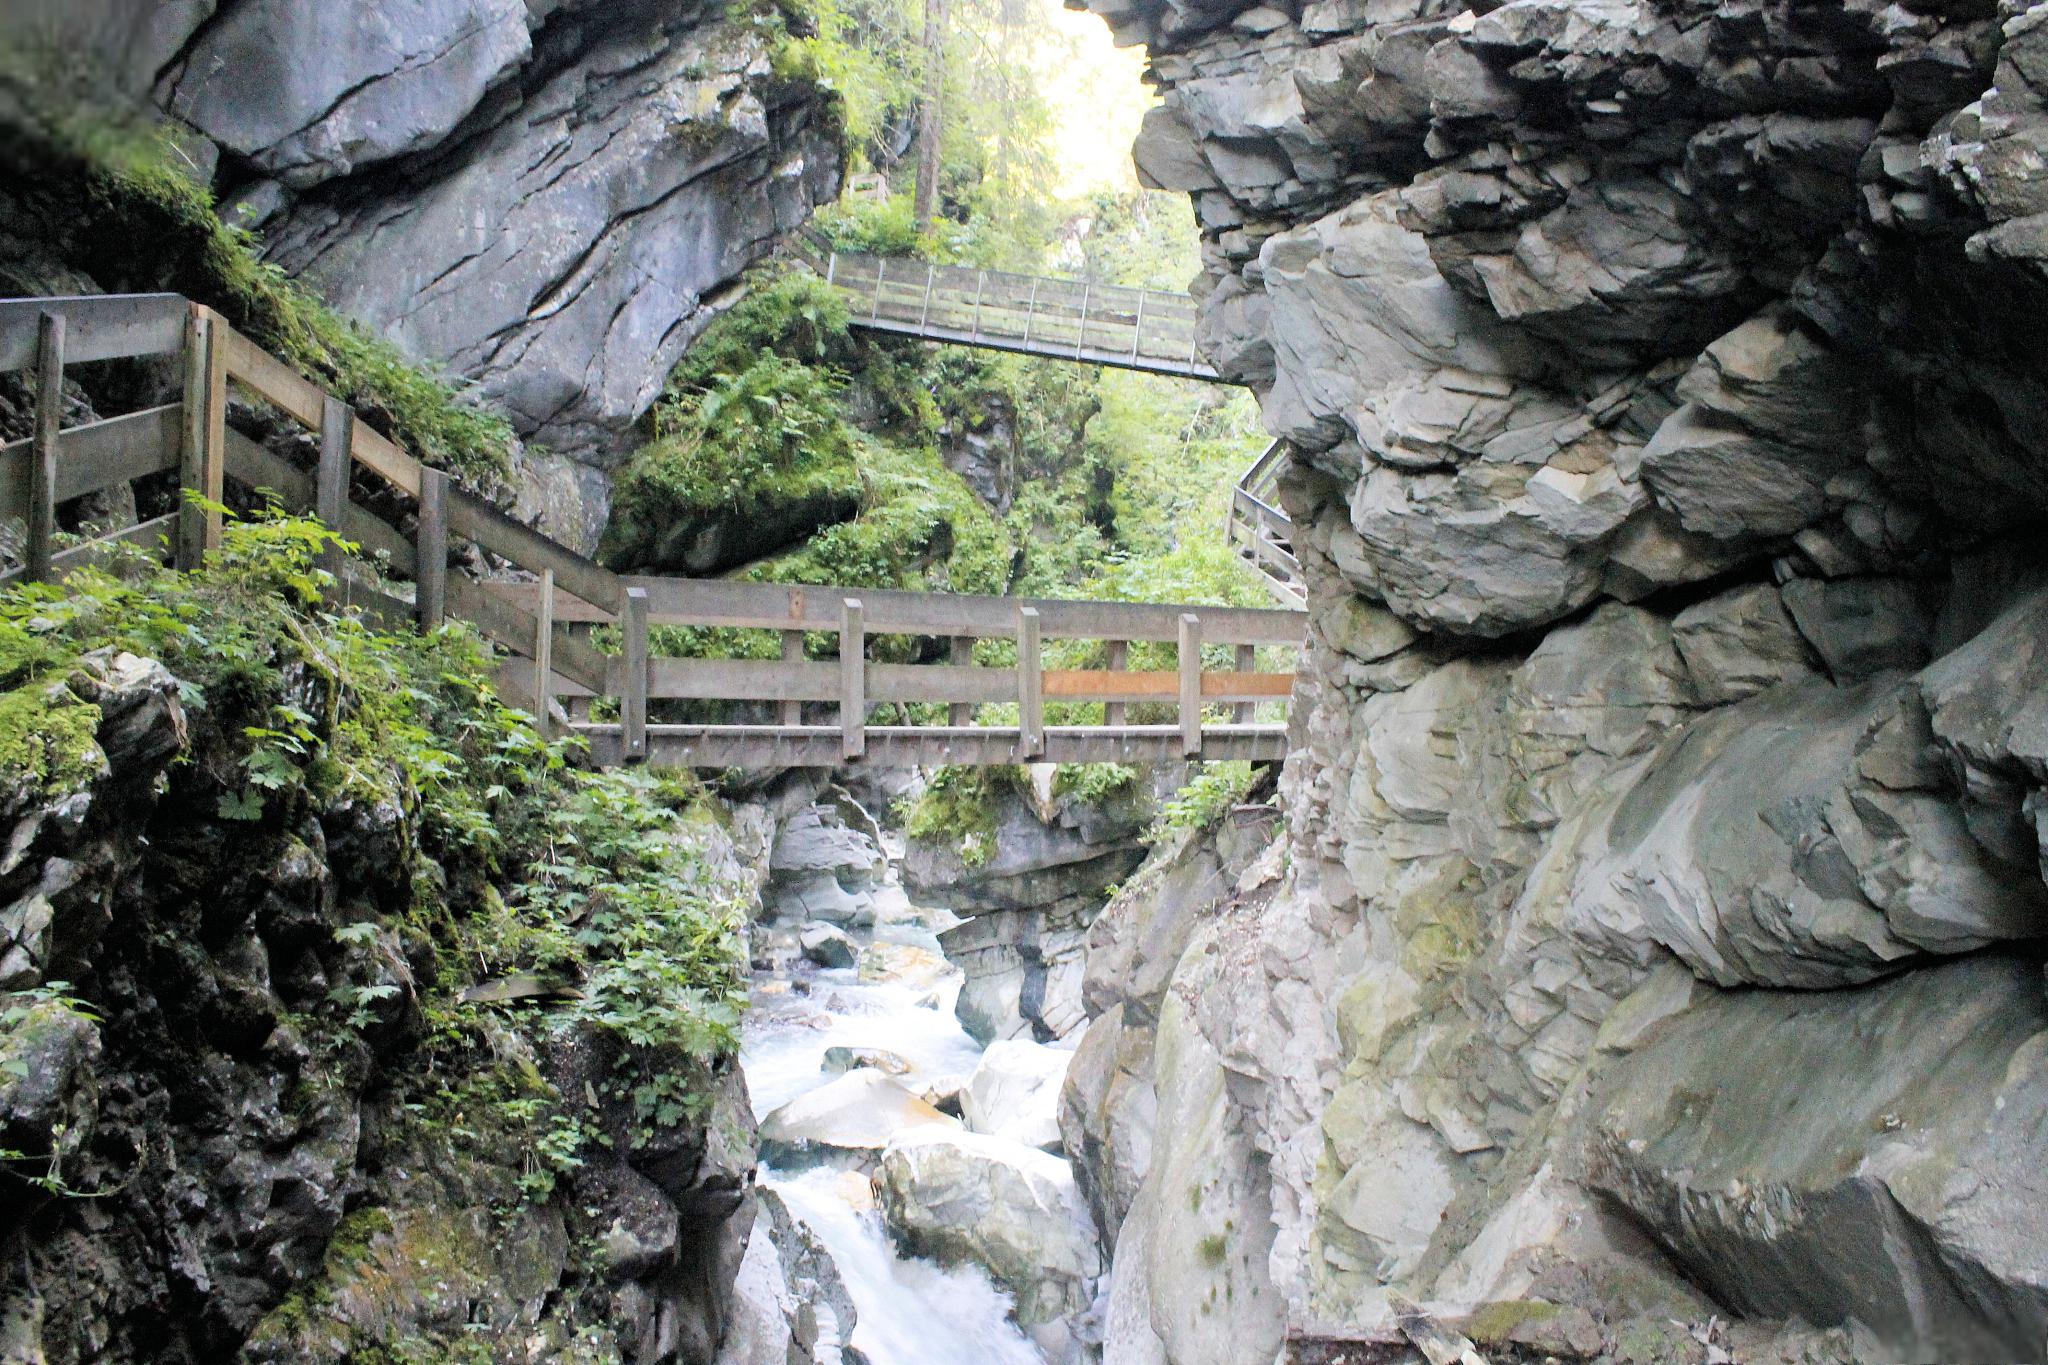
900, 999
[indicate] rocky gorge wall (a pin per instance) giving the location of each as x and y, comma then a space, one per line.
551, 198
1656, 938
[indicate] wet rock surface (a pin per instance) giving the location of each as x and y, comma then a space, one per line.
551, 199
1666, 471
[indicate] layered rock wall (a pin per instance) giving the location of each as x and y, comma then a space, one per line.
551, 198
1660, 933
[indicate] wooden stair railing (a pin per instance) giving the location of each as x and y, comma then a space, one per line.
546, 623
1262, 534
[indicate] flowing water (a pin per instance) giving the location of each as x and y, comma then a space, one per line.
911, 1311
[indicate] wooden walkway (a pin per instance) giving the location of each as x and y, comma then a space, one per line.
1093, 324
1261, 533
797, 711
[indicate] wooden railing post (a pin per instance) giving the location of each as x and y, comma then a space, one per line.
853, 680
1081, 339
544, 655
1190, 684
330, 487
42, 470
633, 700
792, 712
1138, 328
432, 544
960, 654
1247, 661
1030, 686
1115, 712
202, 458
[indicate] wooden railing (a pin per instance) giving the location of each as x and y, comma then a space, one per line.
1262, 534
548, 622
1096, 324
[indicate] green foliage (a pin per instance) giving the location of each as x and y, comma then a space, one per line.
47, 742
657, 933
960, 805
885, 228
1092, 783
1206, 798
763, 437
516, 863
867, 52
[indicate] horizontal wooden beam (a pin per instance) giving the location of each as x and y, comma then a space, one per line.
260, 467
97, 455
277, 383
512, 627
818, 746
145, 535
472, 518
779, 606
97, 327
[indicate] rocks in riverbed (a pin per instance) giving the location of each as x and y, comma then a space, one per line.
825, 867
1014, 1093
961, 1196
827, 946
840, 1060
848, 1121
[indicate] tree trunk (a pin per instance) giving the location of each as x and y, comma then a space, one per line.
928, 114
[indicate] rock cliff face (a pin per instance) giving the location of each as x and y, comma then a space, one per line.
547, 196
1667, 446
218, 1147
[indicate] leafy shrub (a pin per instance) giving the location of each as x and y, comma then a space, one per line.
960, 804
1207, 798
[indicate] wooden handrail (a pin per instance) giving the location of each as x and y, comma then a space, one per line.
547, 623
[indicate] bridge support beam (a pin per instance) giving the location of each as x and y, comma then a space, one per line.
633, 703
1030, 686
853, 680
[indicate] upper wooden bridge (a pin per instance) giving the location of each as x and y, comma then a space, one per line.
1061, 319
1094, 324
545, 612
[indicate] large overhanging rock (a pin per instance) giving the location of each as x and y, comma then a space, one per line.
565, 258
1817, 835
309, 90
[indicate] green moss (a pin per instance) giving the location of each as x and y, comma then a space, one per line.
135, 220
48, 744
1212, 1249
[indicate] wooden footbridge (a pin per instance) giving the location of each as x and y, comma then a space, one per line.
1093, 324
551, 608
